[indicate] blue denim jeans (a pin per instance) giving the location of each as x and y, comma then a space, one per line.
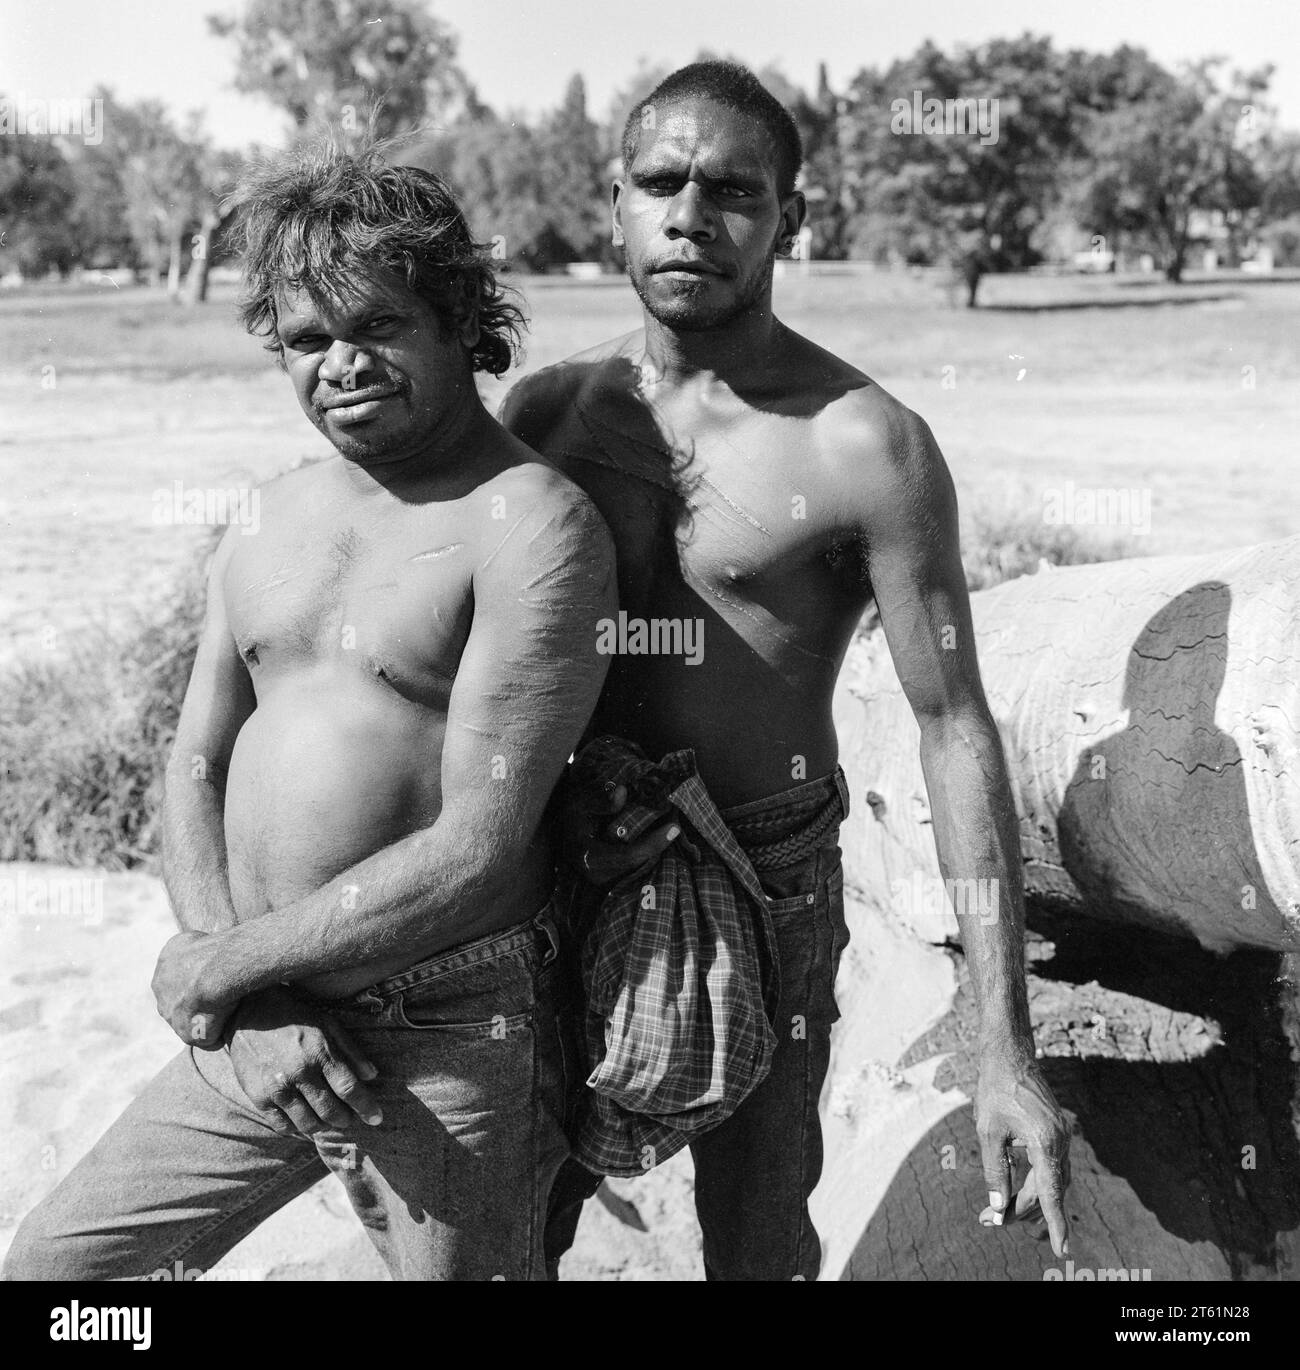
755, 1173
452, 1185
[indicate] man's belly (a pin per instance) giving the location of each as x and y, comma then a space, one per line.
755, 730
327, 772
320, 779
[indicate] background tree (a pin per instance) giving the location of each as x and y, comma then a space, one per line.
1180, 148
572, 186
37, 192
930, 197
331, 60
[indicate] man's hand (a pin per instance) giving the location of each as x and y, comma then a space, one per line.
1014, 1107
592, 842
188, 992
289, 1057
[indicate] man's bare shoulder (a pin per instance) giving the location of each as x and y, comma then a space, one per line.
543, 515
537, 402
880, 455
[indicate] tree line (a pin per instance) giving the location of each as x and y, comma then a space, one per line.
994, 157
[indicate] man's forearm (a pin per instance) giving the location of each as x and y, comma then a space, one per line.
194, 850
393, 905
977, 837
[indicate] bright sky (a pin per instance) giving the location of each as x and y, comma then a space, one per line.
520, 53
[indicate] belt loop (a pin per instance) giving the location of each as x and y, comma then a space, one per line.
842, 784
547, 926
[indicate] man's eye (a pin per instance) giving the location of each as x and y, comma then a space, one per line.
731, 192
309, 342
386, 321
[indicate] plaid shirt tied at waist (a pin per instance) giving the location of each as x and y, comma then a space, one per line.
678, 966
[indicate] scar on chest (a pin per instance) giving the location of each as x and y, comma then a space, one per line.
435, 552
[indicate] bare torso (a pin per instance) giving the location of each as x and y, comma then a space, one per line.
351, 614
732, 511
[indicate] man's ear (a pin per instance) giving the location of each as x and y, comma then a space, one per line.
468, 330
794, 210
616, 212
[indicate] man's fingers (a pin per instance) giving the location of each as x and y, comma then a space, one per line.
327, 1105
351, 1054
997, 1178
348, 1089
1027, 1200
286, 1097
605, 800
1048, 1176
605, 862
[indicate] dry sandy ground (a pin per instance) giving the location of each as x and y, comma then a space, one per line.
1167, 1061
79, 1038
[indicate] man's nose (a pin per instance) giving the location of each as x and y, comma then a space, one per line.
689, 215
345, 364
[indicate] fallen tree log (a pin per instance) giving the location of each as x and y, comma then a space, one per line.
1148, 709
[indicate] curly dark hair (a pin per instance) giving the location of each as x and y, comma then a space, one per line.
323, 218
730, 84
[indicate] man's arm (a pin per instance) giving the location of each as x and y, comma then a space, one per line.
217, 704
914, 564
527, 682
285, 1055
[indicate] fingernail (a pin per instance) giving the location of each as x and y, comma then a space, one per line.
674, 833
1065, 1248
375, 1118
997, 1220
996, 1200
368, 1072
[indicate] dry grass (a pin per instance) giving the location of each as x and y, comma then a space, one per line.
85, 737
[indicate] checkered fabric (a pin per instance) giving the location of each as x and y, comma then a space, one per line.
678, 970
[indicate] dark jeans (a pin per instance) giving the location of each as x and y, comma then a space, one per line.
755, 1172
452, 1185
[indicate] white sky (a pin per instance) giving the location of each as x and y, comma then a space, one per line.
520, 53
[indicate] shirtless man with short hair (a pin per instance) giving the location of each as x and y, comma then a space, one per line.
391, 676
757, 483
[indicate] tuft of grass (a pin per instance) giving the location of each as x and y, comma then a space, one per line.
85, 736
1001, 546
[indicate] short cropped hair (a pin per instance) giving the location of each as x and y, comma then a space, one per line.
736, 87
321, 218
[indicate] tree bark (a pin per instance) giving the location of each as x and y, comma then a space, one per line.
1148, 711
174, 266
196, 281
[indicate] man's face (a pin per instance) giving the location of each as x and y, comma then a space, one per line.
700, 217
377, 376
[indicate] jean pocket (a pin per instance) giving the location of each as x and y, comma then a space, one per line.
792, 907
423, 1016
484, 1002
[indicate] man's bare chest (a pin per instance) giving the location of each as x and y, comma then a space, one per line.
725, 512
393, 601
